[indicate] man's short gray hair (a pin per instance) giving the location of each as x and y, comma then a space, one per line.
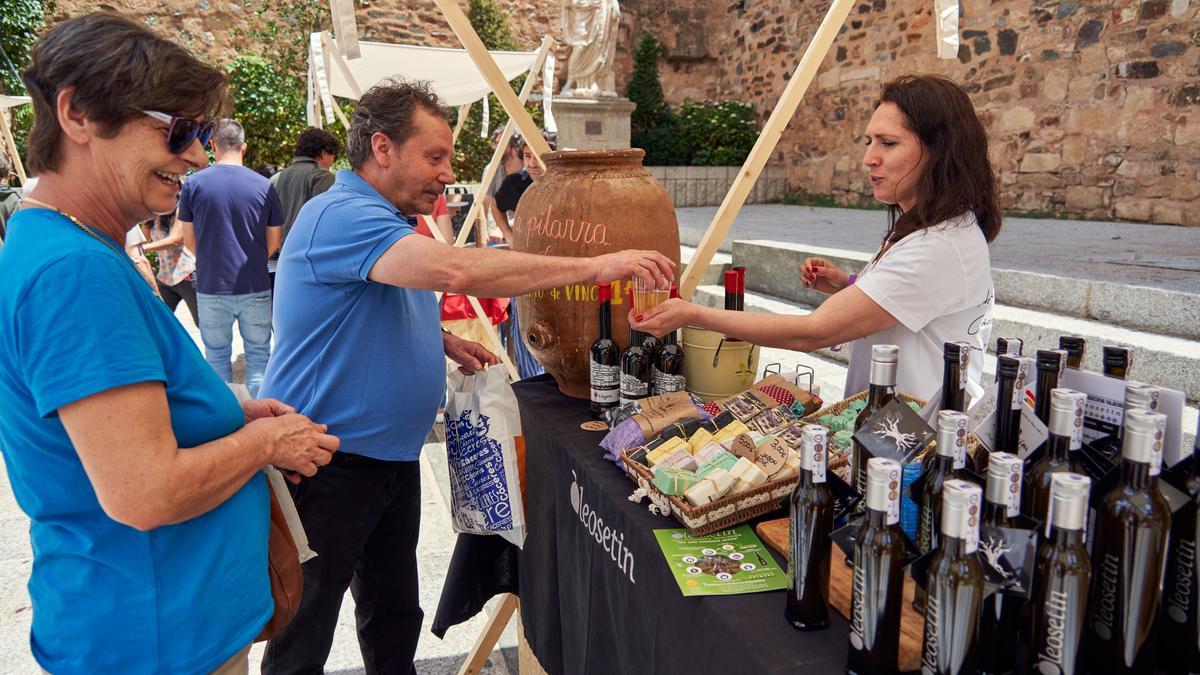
388, 108
228, 135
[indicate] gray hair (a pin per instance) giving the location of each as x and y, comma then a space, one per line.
6, 168
228, 135
388, 108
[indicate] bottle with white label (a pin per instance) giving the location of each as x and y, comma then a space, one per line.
877, 585
955, 588
1000, 620
605, 359
1009, 346
1010, 395
667, 376
1181, 588
946, 462
1062, 450
1128, 556
1050, 366
811, 508
1075, 347
1060, 581
635, 370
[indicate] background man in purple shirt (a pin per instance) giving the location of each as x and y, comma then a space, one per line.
232, 220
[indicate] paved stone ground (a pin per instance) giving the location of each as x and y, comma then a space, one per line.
434, 656
1161, 256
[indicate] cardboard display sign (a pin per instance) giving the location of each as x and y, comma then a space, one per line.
895, 432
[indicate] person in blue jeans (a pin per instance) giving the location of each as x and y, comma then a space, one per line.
140, 473
232, 220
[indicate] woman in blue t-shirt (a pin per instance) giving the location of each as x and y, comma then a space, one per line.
136, 465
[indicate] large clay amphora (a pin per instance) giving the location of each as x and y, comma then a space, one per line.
588, 203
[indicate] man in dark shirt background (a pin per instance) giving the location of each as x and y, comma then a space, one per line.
306, 177
232, 221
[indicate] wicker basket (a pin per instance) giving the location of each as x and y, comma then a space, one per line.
721, 514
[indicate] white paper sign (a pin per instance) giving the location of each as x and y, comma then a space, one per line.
1106, 401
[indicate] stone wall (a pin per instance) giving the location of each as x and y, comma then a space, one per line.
1093, 106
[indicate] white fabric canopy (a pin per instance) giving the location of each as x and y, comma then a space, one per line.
13, 101
451, 72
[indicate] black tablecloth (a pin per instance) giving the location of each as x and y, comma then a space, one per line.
596, 593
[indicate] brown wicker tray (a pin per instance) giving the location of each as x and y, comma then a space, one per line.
721, 514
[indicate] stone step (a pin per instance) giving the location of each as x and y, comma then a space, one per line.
1166, 361
773, 268
716, 268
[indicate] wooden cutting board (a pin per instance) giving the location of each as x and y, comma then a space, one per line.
912, 625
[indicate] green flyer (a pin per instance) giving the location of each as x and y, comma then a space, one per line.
728, 562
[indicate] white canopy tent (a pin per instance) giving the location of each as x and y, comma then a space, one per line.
451, 72
10, 144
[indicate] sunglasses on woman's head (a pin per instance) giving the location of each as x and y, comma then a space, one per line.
182, 131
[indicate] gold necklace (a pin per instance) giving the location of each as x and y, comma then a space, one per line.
78, 222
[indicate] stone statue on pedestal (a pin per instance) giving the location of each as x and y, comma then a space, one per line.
590, 28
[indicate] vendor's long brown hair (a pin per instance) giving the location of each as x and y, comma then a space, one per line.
958, 176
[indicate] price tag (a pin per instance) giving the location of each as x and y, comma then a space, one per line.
770, 456
743, 446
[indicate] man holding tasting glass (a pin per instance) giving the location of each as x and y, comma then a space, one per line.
359, 346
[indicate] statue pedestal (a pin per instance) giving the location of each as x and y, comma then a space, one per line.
592, 123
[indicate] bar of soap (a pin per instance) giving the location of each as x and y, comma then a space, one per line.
680, 459
700, 439
701, 493
674, 482
723, 461
709, 452
740, 467
721, 480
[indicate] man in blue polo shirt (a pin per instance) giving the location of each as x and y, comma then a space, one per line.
358, 346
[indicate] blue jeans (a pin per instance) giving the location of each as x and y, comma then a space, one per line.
252, 312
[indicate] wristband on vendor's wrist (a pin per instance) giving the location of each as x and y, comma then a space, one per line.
851, 279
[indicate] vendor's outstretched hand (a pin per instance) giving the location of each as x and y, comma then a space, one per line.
652, 267
666, 317
821, 275
471, 357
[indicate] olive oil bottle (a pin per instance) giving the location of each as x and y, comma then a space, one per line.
811, 508
878, 581
955, 588
1066, 438
1060, 581
884, 360
1132, 525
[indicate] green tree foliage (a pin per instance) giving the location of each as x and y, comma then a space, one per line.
268, 90
20, 23
644, 87
472, 151
269, 103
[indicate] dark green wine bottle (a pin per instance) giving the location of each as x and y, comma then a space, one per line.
884, 360
1066, 438
1132, 526
1000, 619
1181, 589
878, 581
812, 521
1074, 346
955, 588
1060, 581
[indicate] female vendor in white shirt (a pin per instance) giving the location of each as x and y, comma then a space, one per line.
930, 283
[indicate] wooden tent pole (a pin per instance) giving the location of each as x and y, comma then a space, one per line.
767, 140
490, 172
10, 144
463, 111
491, 72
